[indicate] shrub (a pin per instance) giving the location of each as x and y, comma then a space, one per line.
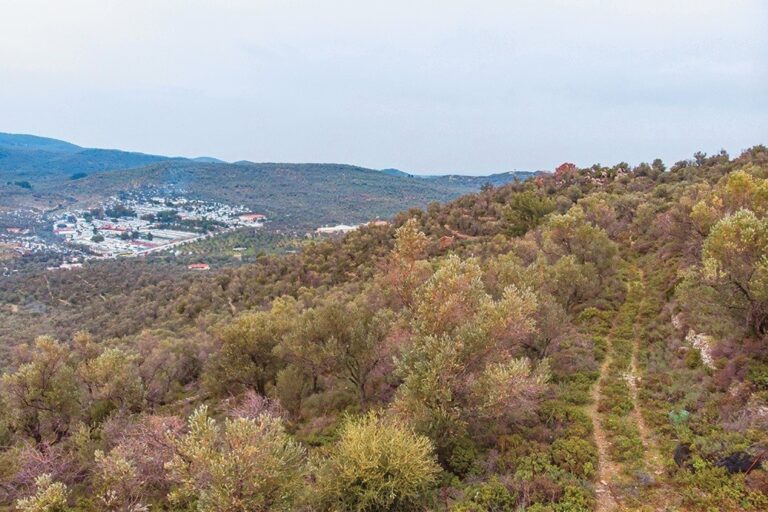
462, 456
491, 496
758, 374
377, 465
710, 488
246, 464
575, 455
50, 496
693, 359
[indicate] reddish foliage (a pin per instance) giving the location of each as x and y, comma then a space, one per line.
147, 444
254, 405
565, 170
34, 461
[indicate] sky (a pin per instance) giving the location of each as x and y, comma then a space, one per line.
424, 86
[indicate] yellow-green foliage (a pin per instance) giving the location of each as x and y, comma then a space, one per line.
42, 396
112, 379
49, 496
379, 464
118, 483
242, 465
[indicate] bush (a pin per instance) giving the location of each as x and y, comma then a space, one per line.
378, 465
244, 464
758, 374
711, 488
491, 496
575, 455
693, 359
462, 457
50, 496
575, 499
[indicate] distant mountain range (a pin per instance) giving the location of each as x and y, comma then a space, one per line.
48, 173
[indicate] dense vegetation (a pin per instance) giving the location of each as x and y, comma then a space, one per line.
593, 338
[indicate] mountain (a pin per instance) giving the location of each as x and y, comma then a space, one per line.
496, 180
397, 172
467, 180
46, 174
32, 158
208, 160
33, 142
296, 195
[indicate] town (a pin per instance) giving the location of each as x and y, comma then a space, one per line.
138, 225
126, 226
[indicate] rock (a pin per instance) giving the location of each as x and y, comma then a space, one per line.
703, 343
682, 455
737, 462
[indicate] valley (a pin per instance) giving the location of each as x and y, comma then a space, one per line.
55, 197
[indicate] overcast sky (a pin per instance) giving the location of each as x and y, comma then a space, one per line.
425, 86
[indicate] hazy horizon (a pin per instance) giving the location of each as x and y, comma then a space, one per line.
474, 88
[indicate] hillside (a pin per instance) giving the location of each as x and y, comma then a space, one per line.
45, 173
37, 159
300, 195
590, 339
35, 143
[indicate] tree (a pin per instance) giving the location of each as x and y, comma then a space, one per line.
244, 465
571, 233
450, 297
167, 363
525, 211
735, 254
461, 332
133, 471
119, 486
342, 338
246, 359
741, 189
360, 344
570, 282
378, 465
509, 389
43, 395
112, 381
305, 345
406, 268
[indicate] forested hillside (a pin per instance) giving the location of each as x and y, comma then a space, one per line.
49, 174
590, 339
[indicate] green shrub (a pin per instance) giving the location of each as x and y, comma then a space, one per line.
49, 496
575, 499
463, 454
758, 374
711, 488
693, 359
575, 455
491, 496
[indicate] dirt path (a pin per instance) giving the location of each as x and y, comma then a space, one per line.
606, 468
458, 235
652, 457
612, 475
